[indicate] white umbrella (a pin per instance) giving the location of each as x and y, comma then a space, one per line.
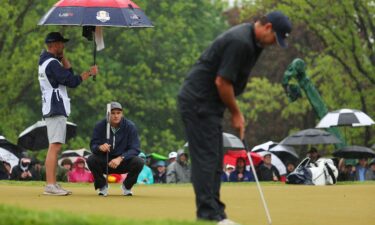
284, 148
345, 117
9, 157
74, 154
264, 147
276, 161
230, 141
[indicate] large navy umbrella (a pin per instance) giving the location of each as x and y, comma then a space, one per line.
92, 15
354, 152
114, 13
35, 137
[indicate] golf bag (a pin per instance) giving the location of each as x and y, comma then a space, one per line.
321, 172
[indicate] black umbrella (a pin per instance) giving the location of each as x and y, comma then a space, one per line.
14, 149
35, 137
354, 152
310, 137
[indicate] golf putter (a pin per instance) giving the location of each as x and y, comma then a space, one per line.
108, 117
257, 181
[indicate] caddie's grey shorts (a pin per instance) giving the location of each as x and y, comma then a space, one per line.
56, 129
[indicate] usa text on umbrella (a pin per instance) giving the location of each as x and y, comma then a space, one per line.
95, 14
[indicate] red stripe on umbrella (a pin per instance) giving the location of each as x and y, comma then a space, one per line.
231, 156
96, 3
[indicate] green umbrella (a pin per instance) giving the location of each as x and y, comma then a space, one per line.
158, 156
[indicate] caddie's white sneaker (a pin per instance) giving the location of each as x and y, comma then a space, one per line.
52, 189
59, 186
227, 222
127, 192
103, 191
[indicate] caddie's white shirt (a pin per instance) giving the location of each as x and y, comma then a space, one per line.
47, 90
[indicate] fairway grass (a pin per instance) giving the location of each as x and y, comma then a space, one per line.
343, 204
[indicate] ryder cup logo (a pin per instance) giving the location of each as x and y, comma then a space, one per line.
102, 16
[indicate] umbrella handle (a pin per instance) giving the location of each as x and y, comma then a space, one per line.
94, 53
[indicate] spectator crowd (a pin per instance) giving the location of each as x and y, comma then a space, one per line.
176, 169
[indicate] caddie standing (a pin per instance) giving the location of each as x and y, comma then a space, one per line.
55, 75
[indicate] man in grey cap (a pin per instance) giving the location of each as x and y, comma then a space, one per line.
220, 74
55, 75
122, 148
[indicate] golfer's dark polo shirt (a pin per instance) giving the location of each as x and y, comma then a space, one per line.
232, 55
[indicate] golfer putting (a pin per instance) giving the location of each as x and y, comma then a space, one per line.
115, 147
219, 75
55, 74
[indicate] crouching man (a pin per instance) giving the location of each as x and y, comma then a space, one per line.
122, 149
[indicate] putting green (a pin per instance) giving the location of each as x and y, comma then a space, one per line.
347, 204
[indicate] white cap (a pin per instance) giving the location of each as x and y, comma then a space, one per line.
172, 155
230, 166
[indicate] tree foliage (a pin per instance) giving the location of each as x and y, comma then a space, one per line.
337, 43
140, 68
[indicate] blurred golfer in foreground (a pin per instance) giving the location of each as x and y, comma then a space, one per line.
219, 75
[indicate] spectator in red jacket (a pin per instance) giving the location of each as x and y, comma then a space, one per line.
80, 173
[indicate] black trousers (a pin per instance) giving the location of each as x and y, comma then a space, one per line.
204, 134
98, 166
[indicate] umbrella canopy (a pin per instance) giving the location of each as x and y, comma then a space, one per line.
35, 137
114, 13
230, 141
157, 156
264, 147
7, 145
345, 117
284, 148
310, 137
276, 161
231, 156
9, 157
92, 15
74, 154
354, 152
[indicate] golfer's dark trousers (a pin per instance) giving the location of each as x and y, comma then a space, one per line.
98, 166
204, 135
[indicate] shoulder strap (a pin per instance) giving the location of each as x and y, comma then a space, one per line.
330, 172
